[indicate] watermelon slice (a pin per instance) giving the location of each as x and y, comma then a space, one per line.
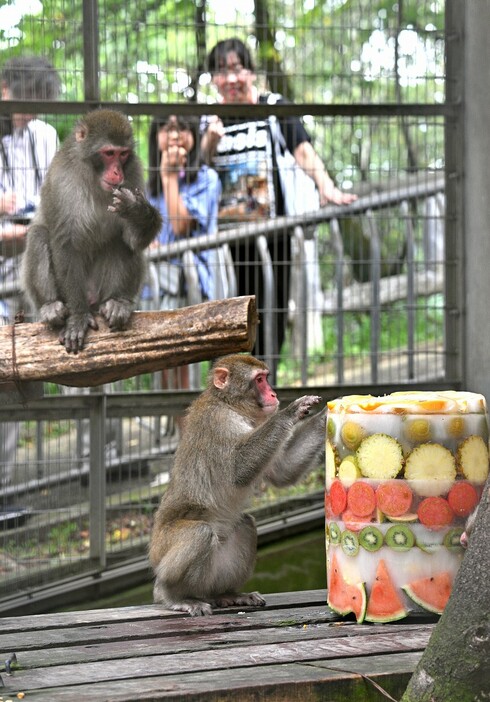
431, 593
344, 598
385, 604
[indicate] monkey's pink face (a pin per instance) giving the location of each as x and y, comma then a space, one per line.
266, 397
113, 159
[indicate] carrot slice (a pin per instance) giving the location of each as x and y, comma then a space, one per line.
361, 499
394, 498
338, 497
435, 513
462, 498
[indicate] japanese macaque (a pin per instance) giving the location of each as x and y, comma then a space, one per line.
203, 547
84, 252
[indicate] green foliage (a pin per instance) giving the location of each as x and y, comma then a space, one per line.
330, 51
429, 327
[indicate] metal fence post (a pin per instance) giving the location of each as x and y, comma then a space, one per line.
97, 491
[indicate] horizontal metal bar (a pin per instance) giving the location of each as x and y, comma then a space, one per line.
235, 111
153, 403
431, 184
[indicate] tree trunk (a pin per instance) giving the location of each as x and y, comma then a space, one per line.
154, 340
278, 80
454, 666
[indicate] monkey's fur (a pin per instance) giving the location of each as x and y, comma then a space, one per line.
203, 548
84, 251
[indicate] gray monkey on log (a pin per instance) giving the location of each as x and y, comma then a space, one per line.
203, 547
84, 251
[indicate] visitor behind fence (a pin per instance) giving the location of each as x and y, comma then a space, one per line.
27, 147
187, 193
26, 151
268, 167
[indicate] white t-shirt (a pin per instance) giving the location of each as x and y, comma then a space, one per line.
28, 153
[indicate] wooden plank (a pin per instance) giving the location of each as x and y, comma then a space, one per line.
98, 632
276, 683
143, 612
154, 340
151, 644
225, 659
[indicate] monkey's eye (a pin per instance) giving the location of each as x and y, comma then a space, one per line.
111, 154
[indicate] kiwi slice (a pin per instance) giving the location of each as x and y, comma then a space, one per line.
452, 539
349, 543
371, 538
334, 532
400, 537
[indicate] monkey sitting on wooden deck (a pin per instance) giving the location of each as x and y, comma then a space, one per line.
203, 547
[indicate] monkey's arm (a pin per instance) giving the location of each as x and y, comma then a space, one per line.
37, 275
300, 454
141, 221
255, 452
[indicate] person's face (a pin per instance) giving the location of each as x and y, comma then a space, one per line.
234, 82
19, 119
171, 135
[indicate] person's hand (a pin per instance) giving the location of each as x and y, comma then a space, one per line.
215, 128
214, 131
329, 193
174, 159
8, 203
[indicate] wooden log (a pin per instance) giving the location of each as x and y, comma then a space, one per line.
155, 340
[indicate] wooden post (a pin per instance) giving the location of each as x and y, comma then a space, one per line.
154, 340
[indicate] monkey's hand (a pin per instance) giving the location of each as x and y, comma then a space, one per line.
144, 220
129, 204
73, 335
300, 408
117, 312
124, 200
54, 314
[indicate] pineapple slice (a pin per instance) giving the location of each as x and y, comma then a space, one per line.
472, 459
349, 471
380, 457
430, 469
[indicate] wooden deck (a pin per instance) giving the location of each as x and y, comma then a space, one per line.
293, 649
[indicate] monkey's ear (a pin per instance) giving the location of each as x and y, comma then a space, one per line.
81, 131
220, 377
